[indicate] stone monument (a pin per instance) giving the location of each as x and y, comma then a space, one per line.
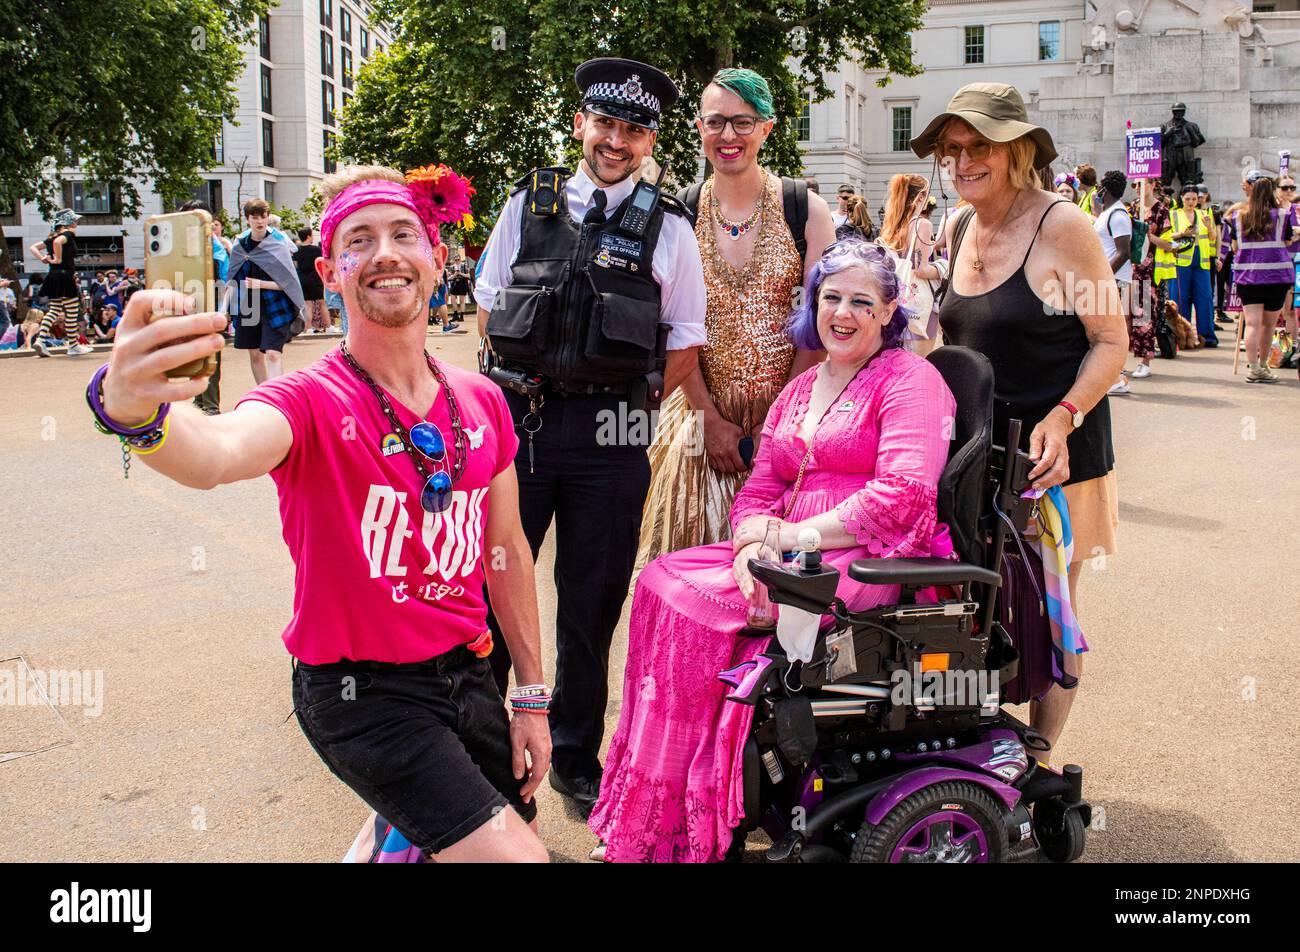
1236, 72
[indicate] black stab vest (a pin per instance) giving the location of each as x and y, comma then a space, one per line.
582, 306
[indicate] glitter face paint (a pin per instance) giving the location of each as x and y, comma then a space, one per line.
349, 262
426, 249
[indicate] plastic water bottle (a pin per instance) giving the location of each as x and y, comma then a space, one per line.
762, 613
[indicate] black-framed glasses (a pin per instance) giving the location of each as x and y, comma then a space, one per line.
714, 123
436, 494
1286, 188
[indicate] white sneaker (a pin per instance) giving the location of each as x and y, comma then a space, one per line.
80, 350
1120, 388
41, 347
1143, 370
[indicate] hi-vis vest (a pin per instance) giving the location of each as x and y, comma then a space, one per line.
1085, 200
1180, 220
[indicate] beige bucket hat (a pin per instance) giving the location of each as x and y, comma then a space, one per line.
997, 112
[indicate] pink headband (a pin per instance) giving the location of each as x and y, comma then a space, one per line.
435, 193
370, 192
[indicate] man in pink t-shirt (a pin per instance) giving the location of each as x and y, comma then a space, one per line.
395, 477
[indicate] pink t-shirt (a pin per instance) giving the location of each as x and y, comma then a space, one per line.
378, 578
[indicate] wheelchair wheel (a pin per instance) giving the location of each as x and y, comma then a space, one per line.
1059, 831
950, 822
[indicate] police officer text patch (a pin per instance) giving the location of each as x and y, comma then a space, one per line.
618, 251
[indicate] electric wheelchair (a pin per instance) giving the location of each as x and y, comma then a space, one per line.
854, 757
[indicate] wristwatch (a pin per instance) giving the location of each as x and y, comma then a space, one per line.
1076, 415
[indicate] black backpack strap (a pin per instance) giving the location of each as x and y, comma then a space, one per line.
690, 199
959, 230
675, 206
794, 203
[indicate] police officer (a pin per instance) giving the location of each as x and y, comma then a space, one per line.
592, 295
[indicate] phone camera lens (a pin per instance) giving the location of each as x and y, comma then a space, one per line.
154, 246
153, 230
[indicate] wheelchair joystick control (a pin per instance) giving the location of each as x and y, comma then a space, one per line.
809, 558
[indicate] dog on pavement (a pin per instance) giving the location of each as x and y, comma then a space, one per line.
1188, 339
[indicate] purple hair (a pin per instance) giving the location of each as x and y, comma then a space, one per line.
848, 253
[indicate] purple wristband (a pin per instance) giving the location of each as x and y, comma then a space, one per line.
97, 408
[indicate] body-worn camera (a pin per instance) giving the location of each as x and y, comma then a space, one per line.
547, 190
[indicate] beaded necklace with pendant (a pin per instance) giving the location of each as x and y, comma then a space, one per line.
735, 229
457, 431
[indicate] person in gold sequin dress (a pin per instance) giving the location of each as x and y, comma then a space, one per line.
752, 269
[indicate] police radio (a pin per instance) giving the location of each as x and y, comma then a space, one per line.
644, 196
546, 192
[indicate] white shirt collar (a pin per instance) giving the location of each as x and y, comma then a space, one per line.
584, 188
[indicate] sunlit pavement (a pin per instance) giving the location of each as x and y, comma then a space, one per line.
1186, 722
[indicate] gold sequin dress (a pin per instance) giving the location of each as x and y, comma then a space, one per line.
745, 364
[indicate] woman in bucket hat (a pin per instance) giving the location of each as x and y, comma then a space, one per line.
1032, 290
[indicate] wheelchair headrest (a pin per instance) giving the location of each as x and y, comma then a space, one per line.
963, 485
969, 376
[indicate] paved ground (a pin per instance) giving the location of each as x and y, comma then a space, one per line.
1186, 723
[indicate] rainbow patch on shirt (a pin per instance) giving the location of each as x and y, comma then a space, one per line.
391, 445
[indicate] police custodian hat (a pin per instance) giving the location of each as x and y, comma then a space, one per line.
625, 89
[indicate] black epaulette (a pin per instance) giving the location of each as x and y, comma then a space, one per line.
526, 179
672, 205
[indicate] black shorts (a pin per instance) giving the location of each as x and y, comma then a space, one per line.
459, 287
261, 335
427, 745
1272, 296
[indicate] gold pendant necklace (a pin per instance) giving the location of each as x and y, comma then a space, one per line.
978, 263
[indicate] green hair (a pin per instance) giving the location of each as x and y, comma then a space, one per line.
749, 86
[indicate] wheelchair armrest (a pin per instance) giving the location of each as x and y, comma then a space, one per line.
920, 572
812, 591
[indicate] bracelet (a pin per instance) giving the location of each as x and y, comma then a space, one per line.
105, 423
152, 443
529, 691
544, 711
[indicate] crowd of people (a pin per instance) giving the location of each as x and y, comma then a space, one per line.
1173, 253
64, 310
418, 531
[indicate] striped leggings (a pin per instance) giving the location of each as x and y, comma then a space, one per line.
63, 310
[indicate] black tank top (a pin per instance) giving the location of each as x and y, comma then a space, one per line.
68, 256
61, 282
1035, 353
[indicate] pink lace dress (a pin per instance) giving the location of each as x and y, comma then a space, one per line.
671, 790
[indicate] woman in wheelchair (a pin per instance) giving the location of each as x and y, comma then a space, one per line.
853, 448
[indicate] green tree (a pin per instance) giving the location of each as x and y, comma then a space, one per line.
132, 91
487, 85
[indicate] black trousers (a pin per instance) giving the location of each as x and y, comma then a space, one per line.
1222, 281
209, 400
595, 494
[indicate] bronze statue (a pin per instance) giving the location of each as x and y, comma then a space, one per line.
1179, 140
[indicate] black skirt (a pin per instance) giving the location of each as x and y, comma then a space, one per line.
60, 283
